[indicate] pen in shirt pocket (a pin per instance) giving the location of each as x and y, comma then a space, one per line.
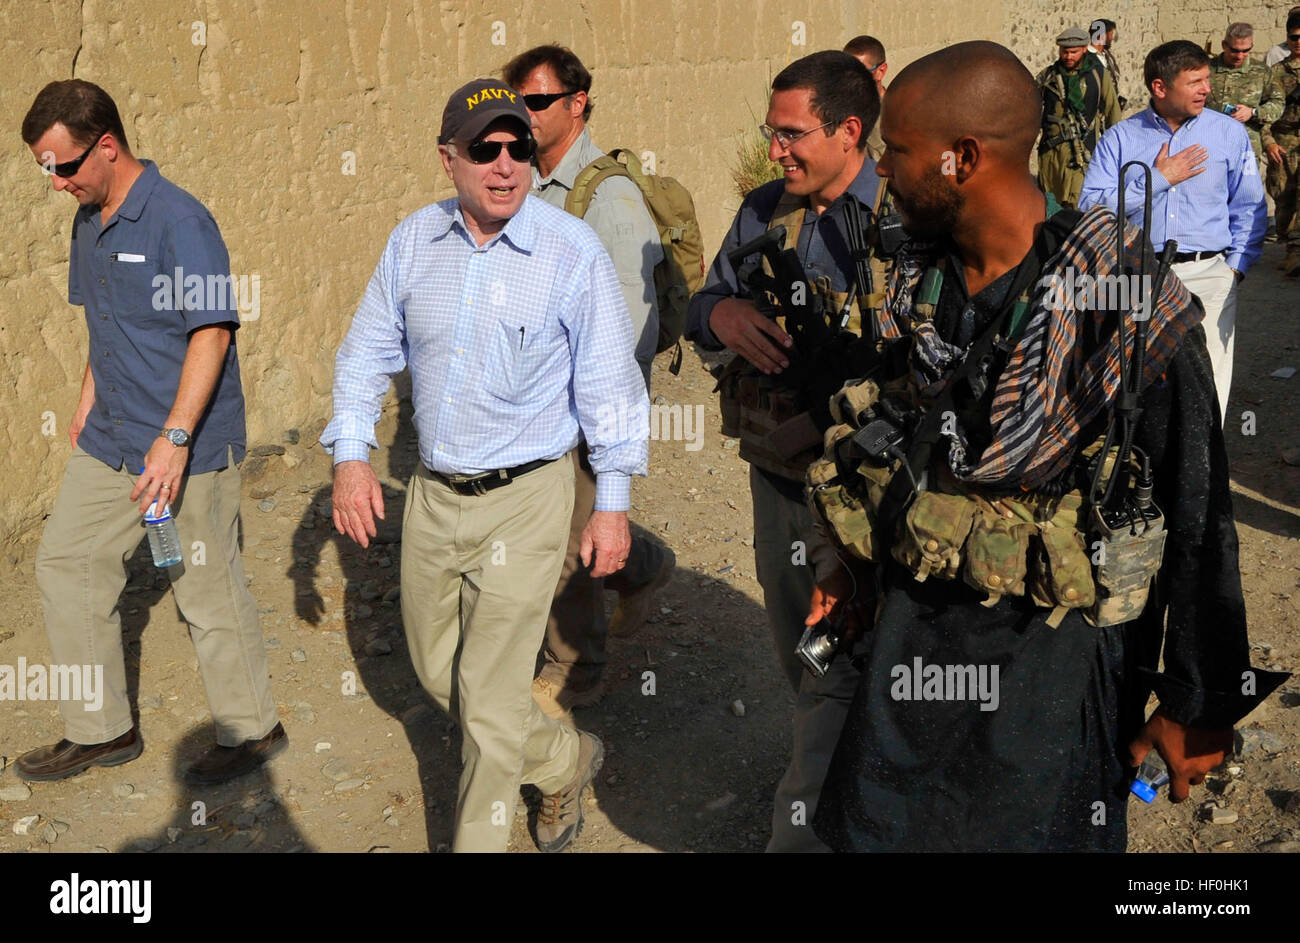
521, 338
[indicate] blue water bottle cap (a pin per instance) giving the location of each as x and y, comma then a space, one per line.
153, 515
1143, 791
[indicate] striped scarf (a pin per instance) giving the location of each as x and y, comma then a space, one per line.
1049, 392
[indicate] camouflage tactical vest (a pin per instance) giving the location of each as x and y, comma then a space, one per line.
1028, 544
775, 429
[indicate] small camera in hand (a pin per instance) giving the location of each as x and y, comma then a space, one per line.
818, 647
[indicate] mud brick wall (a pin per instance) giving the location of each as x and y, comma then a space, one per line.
308, 129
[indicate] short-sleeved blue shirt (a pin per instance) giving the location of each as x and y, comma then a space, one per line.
154, 274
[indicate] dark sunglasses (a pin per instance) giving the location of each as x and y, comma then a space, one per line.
1292, 37
485, 152
69, 168
542, 102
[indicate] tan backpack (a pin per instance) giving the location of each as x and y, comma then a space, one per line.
681, 272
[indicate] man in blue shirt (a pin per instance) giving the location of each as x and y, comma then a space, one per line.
1205, 189
161, 393
510, 316
819, 116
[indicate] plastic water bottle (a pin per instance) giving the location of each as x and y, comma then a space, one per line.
1151, 775
164, 542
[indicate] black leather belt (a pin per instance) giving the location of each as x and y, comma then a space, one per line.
487, 481
1197, 256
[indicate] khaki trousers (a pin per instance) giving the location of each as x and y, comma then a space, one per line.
80, 572
478, 573
577, 629
821, 704
1213, 282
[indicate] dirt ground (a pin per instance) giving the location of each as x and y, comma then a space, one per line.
688, 768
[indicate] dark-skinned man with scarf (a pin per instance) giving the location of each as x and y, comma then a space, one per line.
1079, 103
1036, 751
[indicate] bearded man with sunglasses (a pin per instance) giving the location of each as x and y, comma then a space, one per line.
819, 116
555, 87
509, 315
161, 391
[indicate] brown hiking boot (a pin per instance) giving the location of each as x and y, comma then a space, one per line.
1292, 263
634, 607
557, 700
65, 758
560, 818
222, 763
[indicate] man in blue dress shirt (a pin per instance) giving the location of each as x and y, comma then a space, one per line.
1205, 189
510, 316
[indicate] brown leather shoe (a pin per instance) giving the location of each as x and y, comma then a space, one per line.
222, 763
65, 758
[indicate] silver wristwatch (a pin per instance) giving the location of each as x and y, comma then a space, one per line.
177, 437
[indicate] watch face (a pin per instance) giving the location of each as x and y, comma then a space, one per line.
178, 437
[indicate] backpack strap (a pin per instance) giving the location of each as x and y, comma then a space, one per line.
789, 212
589, 178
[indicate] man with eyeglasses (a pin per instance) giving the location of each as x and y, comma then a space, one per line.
161, 392
1281, 140
509, 315
555, 87
1236, 81
821, 109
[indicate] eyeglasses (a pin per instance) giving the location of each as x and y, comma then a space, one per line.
541, 102
70, 168
520, 150
1292, 37
1242, 52
786, 138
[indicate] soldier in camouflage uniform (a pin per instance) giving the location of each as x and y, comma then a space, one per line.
1235, 80
1281, 140
1079, 102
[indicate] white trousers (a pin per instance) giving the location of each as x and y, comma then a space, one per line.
1215, 284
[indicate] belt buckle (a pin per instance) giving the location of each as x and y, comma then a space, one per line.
476, 483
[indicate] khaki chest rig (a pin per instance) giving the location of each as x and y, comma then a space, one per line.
774, 420
1031, 544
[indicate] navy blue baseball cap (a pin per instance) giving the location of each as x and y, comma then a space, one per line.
472, 107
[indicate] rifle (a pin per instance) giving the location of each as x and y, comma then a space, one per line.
825, 354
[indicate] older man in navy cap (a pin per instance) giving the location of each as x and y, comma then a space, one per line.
510, 316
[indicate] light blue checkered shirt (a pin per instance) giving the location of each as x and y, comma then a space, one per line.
1220, 208
512, 345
